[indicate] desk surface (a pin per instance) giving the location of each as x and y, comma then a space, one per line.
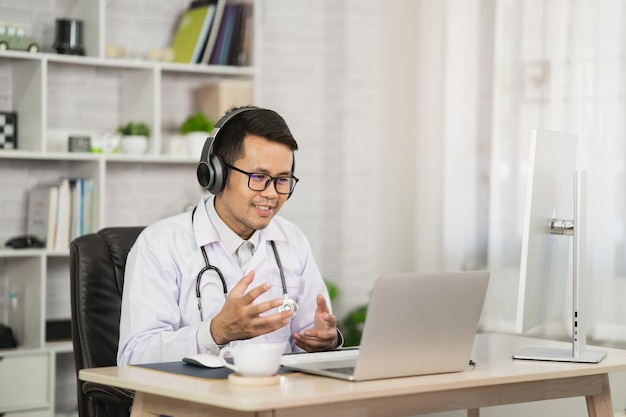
494, 368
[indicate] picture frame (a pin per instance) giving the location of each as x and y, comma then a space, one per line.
79, 144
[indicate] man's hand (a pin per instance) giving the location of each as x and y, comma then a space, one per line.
323, 336
240, 319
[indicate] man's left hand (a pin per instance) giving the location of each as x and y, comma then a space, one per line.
323, 336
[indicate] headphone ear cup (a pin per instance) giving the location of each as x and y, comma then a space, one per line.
211, 170
203, 171
203, 174
217, 174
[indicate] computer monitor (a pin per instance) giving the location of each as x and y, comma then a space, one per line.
553, 245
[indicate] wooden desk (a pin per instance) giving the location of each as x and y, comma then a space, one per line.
495, 380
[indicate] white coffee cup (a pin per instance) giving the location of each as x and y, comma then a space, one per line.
254, 359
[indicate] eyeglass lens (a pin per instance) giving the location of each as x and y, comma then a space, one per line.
260, 182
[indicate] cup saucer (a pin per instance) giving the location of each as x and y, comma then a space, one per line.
237, 379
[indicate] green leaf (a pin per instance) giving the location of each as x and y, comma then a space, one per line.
134, 129
197, 122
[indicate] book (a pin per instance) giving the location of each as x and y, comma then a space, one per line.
215, 27
53, 204
215, 54
82, 216
188, 42
64, 213
70, 212
204, 35
245, 50
231, 17
60, 212
37, 211
77, 213
235, 43
89, 220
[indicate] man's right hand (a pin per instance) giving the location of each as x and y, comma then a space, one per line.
240, 319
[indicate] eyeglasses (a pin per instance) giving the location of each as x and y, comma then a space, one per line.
260, 182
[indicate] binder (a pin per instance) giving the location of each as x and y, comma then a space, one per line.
191, 34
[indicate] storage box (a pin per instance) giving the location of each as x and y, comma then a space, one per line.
216, 99
24, 382
58, 330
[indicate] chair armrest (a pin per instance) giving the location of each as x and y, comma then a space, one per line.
118, 397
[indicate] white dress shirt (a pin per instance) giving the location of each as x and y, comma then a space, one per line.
160, 320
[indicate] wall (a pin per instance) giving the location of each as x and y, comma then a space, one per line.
320, 61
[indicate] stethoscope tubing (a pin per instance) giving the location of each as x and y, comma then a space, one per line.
288, 304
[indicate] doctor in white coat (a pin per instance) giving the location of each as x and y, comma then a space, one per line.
230, 270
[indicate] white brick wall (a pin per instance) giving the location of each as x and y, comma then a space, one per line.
143, 193
138, 25
316, 71
81, 97
5, 87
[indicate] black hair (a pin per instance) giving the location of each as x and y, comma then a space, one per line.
260, 122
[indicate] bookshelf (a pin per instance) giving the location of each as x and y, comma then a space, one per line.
56, 96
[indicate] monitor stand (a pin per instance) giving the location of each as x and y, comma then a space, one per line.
559, 355
577, 229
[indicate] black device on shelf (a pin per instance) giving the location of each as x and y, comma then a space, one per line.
58, 330
6, 337
24, 242
68, 38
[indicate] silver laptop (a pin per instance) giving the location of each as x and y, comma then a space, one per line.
416, 324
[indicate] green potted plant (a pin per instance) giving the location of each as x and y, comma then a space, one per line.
134, 129
351, 325
196, 128
197, 122
134, 137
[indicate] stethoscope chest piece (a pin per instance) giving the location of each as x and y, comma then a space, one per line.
289, 305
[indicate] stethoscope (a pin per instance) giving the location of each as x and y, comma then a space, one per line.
288, 303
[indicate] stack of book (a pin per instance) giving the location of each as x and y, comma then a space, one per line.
214, 32
60, 212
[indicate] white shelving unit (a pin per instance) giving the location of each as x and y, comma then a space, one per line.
37, 378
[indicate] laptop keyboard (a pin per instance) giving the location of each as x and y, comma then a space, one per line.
331, 355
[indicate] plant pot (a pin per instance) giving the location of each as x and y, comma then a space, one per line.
176, 145
133, 144
195, 143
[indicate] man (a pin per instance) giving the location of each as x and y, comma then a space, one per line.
231, 270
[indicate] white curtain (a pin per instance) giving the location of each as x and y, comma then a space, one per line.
559, 65
414, 146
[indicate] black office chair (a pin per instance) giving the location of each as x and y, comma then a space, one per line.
97, 264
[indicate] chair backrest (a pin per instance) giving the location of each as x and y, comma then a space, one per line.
97, 263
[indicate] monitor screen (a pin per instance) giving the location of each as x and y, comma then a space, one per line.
546, 263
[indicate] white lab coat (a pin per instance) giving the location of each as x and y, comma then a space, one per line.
160, 318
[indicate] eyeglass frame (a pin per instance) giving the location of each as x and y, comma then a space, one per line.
270, 180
